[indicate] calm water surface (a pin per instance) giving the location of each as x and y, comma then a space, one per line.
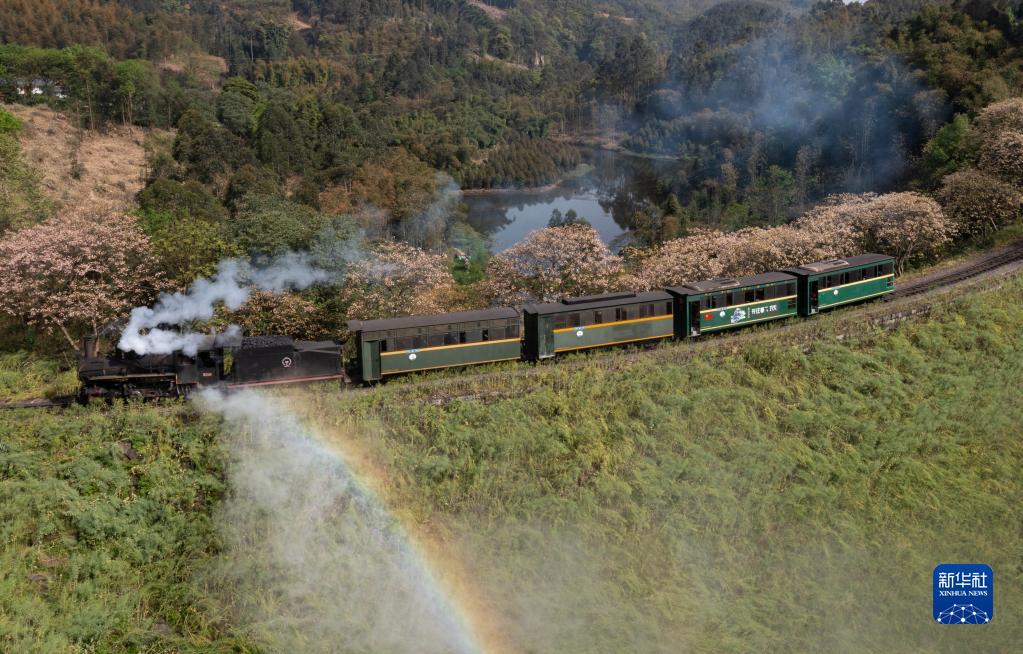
607, 197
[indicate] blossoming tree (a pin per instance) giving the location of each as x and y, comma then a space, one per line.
397, 279
75, 273
553, 263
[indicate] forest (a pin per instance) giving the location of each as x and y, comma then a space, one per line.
783, 131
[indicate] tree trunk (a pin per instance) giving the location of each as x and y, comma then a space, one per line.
67, 335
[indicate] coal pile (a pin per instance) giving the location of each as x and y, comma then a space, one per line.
255, 342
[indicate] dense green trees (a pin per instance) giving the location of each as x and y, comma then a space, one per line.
268, 224
530, 162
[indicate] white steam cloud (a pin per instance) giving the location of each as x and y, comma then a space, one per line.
231, 285
313, 561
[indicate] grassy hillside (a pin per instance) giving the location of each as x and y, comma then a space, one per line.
770, 501
87, 167
106, 518
774, 501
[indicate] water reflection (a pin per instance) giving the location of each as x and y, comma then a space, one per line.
607, 196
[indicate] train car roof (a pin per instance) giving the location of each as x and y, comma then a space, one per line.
588, 302
837, 264
387, 324
729, 283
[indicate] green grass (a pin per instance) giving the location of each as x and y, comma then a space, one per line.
771, 501
754, 497
25, 376
105, 519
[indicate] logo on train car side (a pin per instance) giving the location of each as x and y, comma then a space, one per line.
286, 362
579, 333
412, 356
738, 316
964, 593
759, 311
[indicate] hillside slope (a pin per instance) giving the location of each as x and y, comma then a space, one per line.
765, 500
82, 167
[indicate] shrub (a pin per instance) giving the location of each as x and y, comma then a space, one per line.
9, 124
22, 202
270, 224
908, 226
978, 203
188, 247
279, 313
1000, 117
1002, 156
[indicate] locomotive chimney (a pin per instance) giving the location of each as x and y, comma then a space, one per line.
89, 347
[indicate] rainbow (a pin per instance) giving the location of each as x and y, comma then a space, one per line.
309, 504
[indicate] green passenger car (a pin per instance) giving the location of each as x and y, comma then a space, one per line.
719, 304
827, 284
596, 321
399, 345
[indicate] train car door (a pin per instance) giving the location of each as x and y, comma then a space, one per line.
545, 327
694, 317
371, 360
815, 285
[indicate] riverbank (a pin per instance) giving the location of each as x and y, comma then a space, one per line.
607, 144
581, 170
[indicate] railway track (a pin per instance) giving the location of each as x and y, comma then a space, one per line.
987, 263
40, 403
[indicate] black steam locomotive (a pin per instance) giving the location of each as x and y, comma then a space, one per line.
254, 361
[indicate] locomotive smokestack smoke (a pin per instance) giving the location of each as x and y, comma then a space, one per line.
231, 285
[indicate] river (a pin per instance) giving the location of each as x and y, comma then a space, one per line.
606, 195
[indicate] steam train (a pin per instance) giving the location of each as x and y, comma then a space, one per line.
384, 348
